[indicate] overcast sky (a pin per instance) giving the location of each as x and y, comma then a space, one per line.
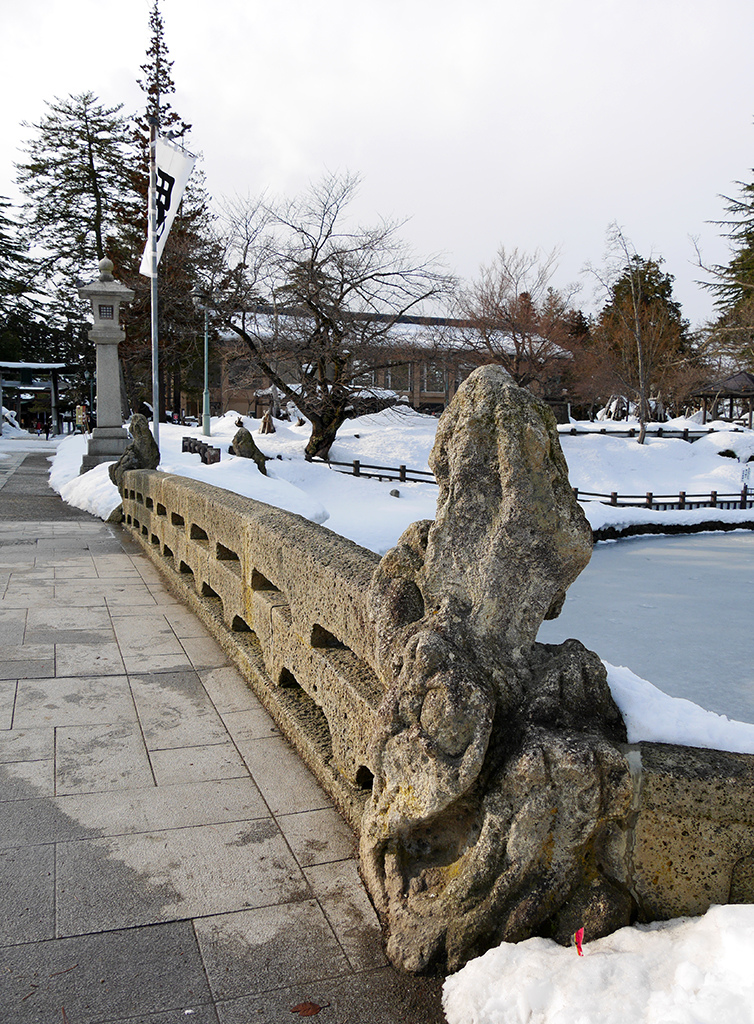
524, 123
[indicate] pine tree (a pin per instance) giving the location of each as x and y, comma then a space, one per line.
15, 265
734, 283
732, 334
74, 179
184, 258
641, 334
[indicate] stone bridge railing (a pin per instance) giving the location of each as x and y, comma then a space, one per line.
494, 798
287, 599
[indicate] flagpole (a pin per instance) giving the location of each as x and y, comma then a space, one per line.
153, 122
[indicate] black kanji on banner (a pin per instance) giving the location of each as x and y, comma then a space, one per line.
164, 192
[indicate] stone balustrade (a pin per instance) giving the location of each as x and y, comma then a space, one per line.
287, 599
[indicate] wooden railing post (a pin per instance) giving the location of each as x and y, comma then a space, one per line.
650, 498
402, 473
682, 499
713, 499
356, 467
744, 496
613, 497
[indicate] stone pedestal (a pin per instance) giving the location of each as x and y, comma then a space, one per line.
109, 439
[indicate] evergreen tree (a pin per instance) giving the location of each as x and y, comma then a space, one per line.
74, 179
641, 335
184, 260
15, 265
732, 334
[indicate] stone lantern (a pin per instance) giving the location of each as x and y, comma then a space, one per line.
109, 439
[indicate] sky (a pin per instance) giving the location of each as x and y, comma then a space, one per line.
531, 125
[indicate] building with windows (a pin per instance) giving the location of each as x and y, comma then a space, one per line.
420, 360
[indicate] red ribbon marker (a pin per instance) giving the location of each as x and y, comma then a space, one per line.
579, 937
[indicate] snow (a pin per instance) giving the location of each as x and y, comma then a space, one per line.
687, 971
601, 464
361, 509
33, 366
676, 611
656, 717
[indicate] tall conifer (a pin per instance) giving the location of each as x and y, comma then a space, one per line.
185, 251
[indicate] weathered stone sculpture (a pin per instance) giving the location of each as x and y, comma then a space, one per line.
141, 452
244, 446
497, 778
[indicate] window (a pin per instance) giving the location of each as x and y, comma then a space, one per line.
107, 312
433, 379
399, 378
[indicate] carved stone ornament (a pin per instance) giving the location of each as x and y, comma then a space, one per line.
498, 775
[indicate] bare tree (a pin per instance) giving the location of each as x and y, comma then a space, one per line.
641, 336
315, 298
518, 319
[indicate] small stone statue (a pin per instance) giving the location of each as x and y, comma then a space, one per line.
244, 446
141, 453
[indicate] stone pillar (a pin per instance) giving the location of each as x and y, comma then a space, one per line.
109, 438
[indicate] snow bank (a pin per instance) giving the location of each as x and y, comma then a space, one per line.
364, 510
687, 971
655, 717
622, 517
360, 509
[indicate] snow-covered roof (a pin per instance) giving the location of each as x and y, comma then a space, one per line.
416, 333
739, 384
33, 366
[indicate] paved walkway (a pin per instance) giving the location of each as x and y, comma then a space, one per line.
164, 856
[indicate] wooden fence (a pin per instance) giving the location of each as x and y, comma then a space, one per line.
400, 473
662, 502
659, 502
653, 430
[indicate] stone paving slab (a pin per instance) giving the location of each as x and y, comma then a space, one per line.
37, 821
197, 764
132, 974
101, 758
27, 909
277, 946
102, 884
164, 854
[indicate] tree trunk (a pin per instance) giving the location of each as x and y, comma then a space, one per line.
324, 431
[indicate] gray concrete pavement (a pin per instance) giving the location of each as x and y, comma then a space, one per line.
164, 855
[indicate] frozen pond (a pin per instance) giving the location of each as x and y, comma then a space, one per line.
678, 611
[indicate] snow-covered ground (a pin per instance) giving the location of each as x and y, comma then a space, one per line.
682, 972
687, 971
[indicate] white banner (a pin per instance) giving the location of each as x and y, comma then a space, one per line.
174, 165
